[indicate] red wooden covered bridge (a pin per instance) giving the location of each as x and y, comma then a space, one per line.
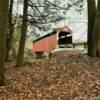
53, 40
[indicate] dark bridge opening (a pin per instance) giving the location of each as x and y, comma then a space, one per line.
64, 38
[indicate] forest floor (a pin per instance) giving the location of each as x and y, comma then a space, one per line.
66, 76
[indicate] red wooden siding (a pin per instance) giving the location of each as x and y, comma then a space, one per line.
45, 44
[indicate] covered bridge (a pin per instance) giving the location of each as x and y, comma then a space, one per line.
48, 42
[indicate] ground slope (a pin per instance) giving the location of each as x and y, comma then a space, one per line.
66, 76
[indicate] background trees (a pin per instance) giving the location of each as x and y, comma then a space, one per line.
43, 14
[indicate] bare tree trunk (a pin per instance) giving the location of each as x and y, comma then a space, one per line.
91, 19
96, 33
20, 55
3, 31
11, 31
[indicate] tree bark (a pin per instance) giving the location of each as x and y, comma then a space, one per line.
3, 31
96, 33
91, 19
11, 31
20, 55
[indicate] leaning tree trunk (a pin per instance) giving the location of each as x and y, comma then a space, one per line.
91, 18
11, 31
96, 33
20, 55
3, 31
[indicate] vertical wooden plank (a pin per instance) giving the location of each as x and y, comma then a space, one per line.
46, 44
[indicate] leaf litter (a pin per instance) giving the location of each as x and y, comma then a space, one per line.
66, 76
